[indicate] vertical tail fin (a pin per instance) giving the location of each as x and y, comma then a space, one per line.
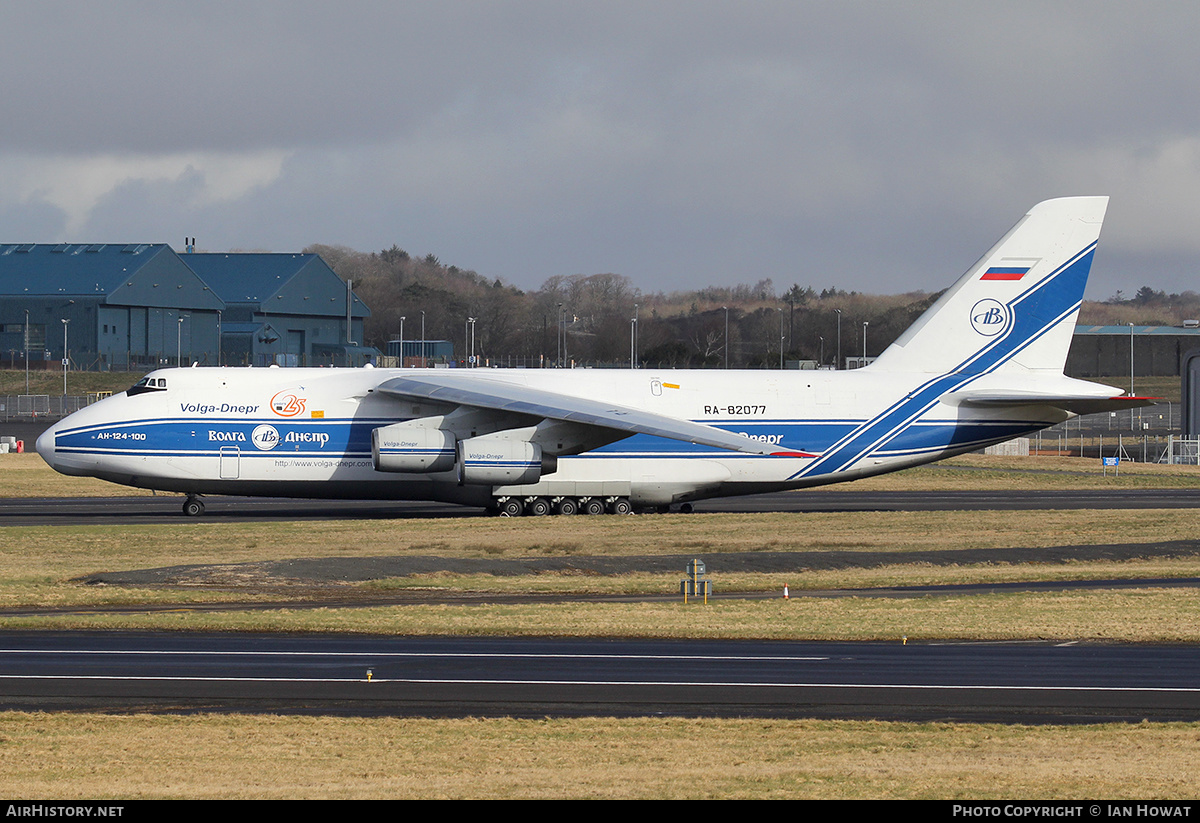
1015, 309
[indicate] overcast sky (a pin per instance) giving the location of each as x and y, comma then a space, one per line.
880, 147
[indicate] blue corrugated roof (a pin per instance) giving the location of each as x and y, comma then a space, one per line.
246, 277
272, 282
71, 268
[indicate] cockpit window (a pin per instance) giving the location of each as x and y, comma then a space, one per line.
147, 384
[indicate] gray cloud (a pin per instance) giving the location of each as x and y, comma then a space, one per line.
874, 146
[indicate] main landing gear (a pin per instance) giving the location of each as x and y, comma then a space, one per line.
541, 506
193, 506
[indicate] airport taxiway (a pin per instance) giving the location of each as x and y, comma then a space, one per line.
1026, 682
166, 508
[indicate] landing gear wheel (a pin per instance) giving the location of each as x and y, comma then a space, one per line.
620, 506
538, 507
568, 505
193, 507
512, 507
592, 506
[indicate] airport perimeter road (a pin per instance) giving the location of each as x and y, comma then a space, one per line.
167, 508
1031, 682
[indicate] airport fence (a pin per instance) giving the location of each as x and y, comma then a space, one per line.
52, 406
1183, 451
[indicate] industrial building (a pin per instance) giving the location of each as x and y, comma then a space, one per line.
284, 309
142, 306
1105, 351
103, 305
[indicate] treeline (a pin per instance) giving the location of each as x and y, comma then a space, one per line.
591, 316
1146, 307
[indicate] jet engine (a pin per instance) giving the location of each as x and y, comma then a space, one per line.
491, 461
412, 449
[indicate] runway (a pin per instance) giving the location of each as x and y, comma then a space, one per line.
354, 675
166, 508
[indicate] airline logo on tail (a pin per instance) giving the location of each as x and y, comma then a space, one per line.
989, 317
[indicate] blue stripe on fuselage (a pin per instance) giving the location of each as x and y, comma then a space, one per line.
1034, 314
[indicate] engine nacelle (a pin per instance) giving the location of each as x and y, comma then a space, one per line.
490, 461
412, 449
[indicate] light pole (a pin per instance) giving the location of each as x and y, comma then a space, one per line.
471, 325
1131, 360
65, 322
179, 343
864, 359
726, 308
559, 336
821, 356
27, 351
1131, 427
423, 363
781, 339
402, 341
633, 341
218, 338
838, 365
564, 352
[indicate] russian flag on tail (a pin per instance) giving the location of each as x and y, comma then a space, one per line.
1005, 273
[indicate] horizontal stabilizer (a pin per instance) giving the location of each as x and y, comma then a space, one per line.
1075, 404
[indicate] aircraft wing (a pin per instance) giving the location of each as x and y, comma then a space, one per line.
481, 393
1074, 403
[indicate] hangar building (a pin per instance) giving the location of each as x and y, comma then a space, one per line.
142, 306
121, 306
289, 309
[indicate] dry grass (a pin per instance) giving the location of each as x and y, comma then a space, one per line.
101, 756
987, 472
50, 381
38, 567
27, 475
1139, 616
46, 554
76, 550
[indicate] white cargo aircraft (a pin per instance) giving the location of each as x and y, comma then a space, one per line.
984, 364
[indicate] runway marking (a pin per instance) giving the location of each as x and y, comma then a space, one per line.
689, 684
451, 655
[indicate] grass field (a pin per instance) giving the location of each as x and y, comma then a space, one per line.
67, 756
87, 756
78, 382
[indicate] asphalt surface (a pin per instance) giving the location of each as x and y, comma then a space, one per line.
167, 508
355, 675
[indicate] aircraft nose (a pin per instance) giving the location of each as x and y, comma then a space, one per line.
45, 444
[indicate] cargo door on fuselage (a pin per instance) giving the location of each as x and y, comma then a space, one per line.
230, 458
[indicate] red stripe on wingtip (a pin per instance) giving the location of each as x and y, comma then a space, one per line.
794, 454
